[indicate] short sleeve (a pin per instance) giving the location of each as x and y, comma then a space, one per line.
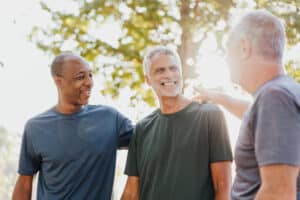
131, 168
219, 143
277, 129
124, 130
29, 162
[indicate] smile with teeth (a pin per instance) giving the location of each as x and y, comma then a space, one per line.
168, 83
86, 92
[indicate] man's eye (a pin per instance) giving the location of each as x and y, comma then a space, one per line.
160, 70
173, 68
79, 77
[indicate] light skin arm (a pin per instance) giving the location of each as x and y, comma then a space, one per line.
234, 105
221, 175
278, 182
23, 188
131, 191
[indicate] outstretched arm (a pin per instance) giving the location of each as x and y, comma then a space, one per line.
234, 105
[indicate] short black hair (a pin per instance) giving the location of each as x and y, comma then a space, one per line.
58, 62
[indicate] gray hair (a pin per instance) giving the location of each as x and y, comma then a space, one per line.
159, 50
265, 31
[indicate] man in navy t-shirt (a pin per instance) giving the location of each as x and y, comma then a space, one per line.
72, 145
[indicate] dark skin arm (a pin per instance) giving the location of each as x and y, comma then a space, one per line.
23, 188
221, 175
131, 191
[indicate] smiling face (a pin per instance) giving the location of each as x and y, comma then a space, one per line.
75, 82
165, 76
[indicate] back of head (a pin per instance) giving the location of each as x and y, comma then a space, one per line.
159, 50
265, 32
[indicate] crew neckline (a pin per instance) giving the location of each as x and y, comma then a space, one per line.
72, 115
177, 112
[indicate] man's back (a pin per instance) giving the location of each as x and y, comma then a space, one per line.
269, 135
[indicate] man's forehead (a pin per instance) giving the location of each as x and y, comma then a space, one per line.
74, 63
161, 58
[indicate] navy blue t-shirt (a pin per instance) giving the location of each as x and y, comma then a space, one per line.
74, 154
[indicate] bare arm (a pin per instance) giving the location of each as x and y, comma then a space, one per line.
234, 105
221, 175
23, 188
279, 182
131, 191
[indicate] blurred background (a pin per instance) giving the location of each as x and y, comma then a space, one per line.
113, 37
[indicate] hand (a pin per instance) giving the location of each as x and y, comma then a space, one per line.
205, 95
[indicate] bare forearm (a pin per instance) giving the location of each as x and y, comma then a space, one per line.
275, 195
130, 196
222, 195
221, 176
236, 106
23, 188
131, 191
21, 193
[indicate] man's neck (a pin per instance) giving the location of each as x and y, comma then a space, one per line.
67, 108
264, 74
170, 105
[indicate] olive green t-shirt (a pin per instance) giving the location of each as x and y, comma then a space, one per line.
171, 153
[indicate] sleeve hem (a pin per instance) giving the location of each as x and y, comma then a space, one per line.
26, 172
296, 164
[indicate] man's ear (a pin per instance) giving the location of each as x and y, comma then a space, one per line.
57, 80
147, 80
245, 48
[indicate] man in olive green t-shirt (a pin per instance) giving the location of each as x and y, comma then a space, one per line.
181, 151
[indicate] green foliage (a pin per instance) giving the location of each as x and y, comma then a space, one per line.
8, 162
293, 69
141, 24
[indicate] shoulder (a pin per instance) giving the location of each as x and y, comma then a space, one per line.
42, 117
207, 109
149, 119
282, 88
278, 93
102, 109
38, 121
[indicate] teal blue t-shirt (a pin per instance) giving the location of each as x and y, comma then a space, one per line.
74, 154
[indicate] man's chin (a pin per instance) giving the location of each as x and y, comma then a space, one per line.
170, 94
84, 102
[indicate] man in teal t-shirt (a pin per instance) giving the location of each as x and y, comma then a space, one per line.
181, 150
72, 145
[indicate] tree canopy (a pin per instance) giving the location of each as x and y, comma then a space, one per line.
139, 24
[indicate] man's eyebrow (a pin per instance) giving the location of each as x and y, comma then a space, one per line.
83, 72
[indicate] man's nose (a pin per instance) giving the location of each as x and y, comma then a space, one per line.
168, 73
89, 81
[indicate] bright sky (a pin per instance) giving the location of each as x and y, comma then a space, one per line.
25, 83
